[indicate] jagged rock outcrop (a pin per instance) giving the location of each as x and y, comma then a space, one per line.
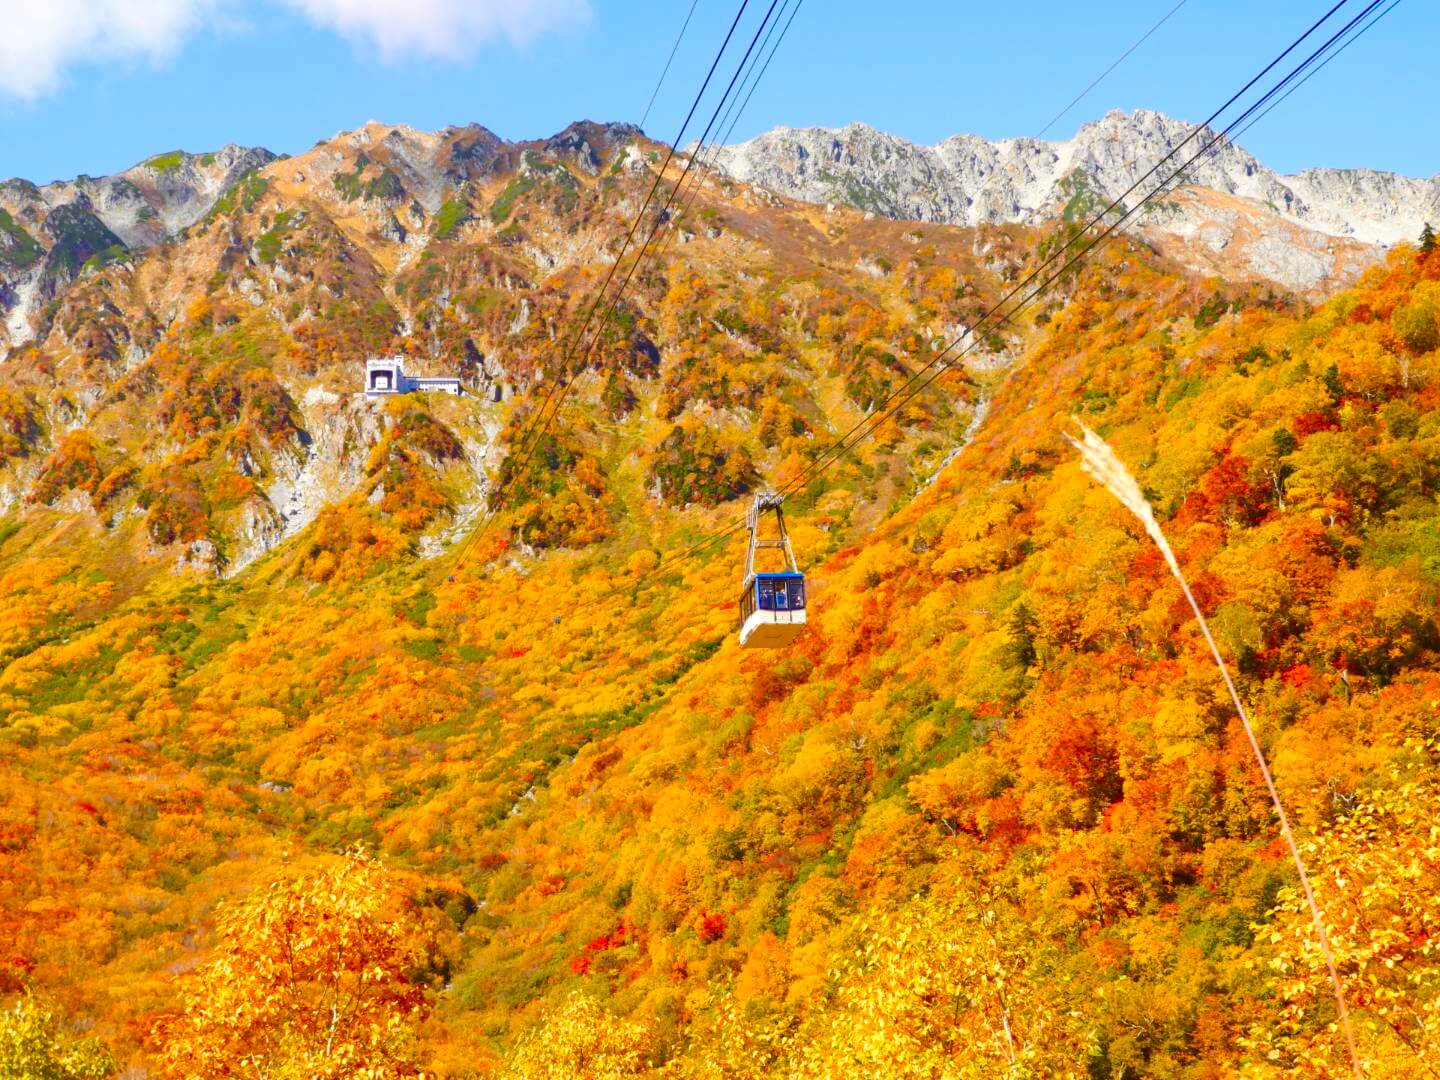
147, 203
967, 180
49, 233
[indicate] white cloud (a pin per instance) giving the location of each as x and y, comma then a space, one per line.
446, 29
39, 39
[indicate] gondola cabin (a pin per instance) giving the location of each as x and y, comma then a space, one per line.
772, 610
772, 603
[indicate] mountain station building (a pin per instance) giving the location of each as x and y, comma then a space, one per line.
386, 375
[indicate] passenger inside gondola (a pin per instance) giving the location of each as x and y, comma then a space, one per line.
780, 593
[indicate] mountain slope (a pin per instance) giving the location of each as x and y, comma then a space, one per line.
995, 787
209, 386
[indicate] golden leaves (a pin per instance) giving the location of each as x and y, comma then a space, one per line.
315, 977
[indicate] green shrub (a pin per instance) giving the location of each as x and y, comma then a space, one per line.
18, 249
166, 163
1415, 324
452, 215
35, 1045
500, 209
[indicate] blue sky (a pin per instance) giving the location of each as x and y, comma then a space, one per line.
104, 83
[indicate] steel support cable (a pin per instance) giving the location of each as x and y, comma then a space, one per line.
1173, 183
666, 70
719, 143
709, 154
579, 333
543, 422
1106, 73
1060, 253
664, 213
1316, 70
1095, 83
711, 539
874, 419
479, 531
657, 256
705, 542
725, 138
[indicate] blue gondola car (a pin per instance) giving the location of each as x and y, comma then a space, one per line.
772, 604
772, 610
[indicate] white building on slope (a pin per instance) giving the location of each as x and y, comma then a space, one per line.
386, 375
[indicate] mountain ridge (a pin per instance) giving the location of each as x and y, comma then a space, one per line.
1015, 179
1334, 222
1315, 231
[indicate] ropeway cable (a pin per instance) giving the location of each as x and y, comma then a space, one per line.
1106, 73
479, 531
706, 542
666, 71
563, 383
873, 419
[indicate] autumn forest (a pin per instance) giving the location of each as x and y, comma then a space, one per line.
385, 737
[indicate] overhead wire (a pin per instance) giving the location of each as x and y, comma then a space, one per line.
666, 70
1061, 251
563, 383
1315, 70
564, 366
1318, 68
1106, 73
711, 539
494, 497
873, 419
539, 423
754, 82
877, 416
710, 156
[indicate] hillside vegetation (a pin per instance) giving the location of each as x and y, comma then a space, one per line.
536, 814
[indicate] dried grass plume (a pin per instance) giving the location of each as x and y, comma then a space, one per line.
1101, 463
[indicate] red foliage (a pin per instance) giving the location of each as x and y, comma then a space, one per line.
1228, 496
1311, 422
623, 934
1298, 676
711, 927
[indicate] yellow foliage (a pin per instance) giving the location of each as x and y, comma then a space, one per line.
314, 978
579, 1040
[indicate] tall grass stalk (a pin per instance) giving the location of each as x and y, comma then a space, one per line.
1097, 459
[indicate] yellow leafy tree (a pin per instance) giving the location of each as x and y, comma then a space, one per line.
313, 978
35, 1046
733, 1041
1377, 869
947, 990
579, 1041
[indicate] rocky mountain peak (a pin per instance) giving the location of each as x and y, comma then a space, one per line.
970, 180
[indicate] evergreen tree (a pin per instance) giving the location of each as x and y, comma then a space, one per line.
1427, 238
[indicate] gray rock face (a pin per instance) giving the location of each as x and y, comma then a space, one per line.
147, 203
47, 233
967, 180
